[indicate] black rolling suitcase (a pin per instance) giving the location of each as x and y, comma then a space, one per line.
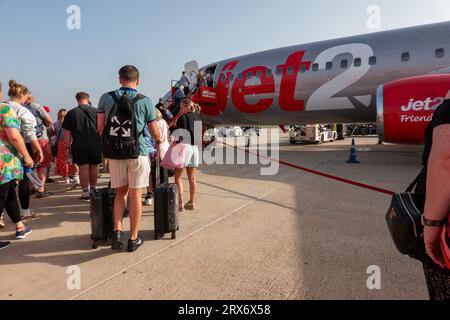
166, 208
102, 215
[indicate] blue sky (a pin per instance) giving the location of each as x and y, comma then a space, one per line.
159, 36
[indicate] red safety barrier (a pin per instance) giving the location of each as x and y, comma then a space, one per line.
326, 175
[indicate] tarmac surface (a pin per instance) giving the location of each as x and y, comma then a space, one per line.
293, 235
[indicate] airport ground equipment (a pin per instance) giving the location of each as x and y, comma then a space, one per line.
312, 134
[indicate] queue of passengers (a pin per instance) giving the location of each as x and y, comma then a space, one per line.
30, 139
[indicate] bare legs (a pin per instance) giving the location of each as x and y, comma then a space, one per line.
191, 172
179, 183
84, 177
42, 174
135, 210
119, 207
88, 176
192, 184
93, 176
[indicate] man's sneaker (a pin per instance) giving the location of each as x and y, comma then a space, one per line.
2, 221
134, 245
4, 244
23, 233
117, 242
85, 197
148, 200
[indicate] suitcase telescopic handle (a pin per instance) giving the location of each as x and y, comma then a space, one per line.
157, 166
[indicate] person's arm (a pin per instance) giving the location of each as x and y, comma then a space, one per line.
101, 117
100, 123
155, 132
28, 125
437, 207
67, 137
66, 128
45, 116
16, 140
37, 150
51, 130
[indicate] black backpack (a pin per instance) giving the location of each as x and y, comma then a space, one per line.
120, 140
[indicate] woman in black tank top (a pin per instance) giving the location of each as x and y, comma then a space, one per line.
431, 196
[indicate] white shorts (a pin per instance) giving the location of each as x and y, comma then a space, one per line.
133, 173
192, 156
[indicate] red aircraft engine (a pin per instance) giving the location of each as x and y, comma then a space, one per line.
405, 107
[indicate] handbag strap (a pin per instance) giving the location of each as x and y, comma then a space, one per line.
414, 183
88, 116
58, 137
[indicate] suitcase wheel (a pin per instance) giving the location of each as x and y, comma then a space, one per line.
95, 245
174, 235
158, 236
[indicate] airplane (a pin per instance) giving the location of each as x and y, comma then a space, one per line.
395, 78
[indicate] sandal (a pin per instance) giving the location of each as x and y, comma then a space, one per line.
180, 208
189, 206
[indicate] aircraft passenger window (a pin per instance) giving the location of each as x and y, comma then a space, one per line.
440, 53
405, 56
329, 65
344, 64
315, 67
231, 78
240, 76
372, 60
269, 73
249, 75
358, 62
302, 69
290, 70
279, 71
259, 74
224, 78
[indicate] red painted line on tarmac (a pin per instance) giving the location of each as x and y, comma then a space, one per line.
322, 174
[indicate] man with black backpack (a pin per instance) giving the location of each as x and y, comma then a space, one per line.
122, 117
80, 125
